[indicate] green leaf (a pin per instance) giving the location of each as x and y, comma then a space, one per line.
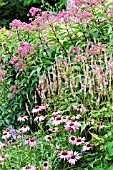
95, 136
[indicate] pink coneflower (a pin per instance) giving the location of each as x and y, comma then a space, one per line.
48, 138
28, 167
35, 110
26, 141
87, 147
16, 136
79, 140
64, 154
24, 129
72, 140
58, 120
6, 135
64, 119
72, 125
32, 141
54, 116
73, 158
2, 157
22, 118
39, 118
20, 131
38, 108
53, 129
45, 166
6, 131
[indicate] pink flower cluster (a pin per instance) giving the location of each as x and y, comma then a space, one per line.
16, 24
33, 11
72, 125
30, 141
76, 49
74, 140
24, 48
17, 61
57, 119
70, 156
20, 25
42, 21
83, 16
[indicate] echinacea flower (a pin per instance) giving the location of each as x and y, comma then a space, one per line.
53, 129
58, 120
25, 128
16, 136
29, 167
6, 131
87, 147
26, 141
64, 119
39, 118
45, 166
22, 118
73, 158
48, 138
54, 116
32, 141
64, 155
35, 110
6, 135
72, 125
2, 157
72, 140
38, 108
79, 140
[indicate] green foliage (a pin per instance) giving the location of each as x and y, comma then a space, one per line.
64, 63
2, 3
